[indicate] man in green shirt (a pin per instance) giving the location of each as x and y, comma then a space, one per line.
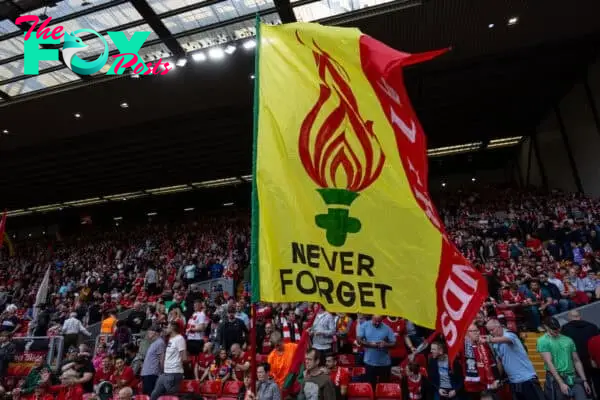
565, 378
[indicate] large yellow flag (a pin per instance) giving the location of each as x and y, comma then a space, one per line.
342, 214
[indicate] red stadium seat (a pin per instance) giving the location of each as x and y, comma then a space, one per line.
189, 386
231, 389
388, 391
141, 397
211, 389
168, 398
358, 371
346, 360
360, 391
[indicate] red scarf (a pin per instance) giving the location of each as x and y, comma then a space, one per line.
479, 364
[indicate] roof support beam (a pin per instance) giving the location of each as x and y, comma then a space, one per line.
5, 96
285, 11
157, 26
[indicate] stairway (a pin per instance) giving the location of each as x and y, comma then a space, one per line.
530, 340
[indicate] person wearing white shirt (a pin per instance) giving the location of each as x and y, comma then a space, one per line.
196, 328
175, 356
71, 329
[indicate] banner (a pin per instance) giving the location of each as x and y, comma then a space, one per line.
341, 207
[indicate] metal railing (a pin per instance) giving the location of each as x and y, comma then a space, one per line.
30, 347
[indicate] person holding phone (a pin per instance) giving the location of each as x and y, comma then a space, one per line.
377, 338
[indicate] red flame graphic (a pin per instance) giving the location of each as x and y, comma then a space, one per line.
326, 148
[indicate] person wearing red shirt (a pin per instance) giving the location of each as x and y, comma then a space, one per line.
205, 359
594, 350
503, 250
104, 373
240, 362
413, 382
399, 352
534, 244
512, 297
123, 375
338, 375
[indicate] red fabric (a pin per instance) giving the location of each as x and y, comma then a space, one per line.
340, 376
594, 349
399, 328
100, 376
127, 375
242, 359
415, 388
461, 289
204, 360
503, 250
512, 298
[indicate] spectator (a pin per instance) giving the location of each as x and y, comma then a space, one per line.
136, 318
39, 375
565, 377
7, 352
377, 338
123, 375
594, 352
481, 371
323, 330
220, 369
125, 394
71, 329
109, 323
339, 376
445, 377
414, 385
233, 330
317, 385
521, 375
266, 389
196, 329
240, 362
175, 356
204, 361
280, 359
153, 362
105, 372
581, 332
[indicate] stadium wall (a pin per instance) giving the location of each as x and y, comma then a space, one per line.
568, 139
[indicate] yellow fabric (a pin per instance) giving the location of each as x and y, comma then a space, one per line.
395, 232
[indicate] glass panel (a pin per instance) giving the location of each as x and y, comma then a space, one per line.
66, 7
39, 82
15, 68
7, 27
220, 12
226, 34
11, 47
155, 52
104, 20
329, 8
162, 6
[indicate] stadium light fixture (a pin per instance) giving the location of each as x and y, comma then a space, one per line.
513, 21
181, 62
227, 204
124, 105
230, 49
118, 218
77, 115
216, 53
443, 184
249, 44
456, 149
490, 26
473, 179
5, 131
189, 209
152, 214
199, 56
504, 142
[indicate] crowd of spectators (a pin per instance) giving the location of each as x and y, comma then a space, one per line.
539, 252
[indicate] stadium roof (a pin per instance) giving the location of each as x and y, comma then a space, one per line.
71, 138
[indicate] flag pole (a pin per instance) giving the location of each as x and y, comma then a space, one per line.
254, 279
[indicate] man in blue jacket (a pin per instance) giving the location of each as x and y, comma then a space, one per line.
445, 377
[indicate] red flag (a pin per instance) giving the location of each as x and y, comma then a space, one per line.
2, 228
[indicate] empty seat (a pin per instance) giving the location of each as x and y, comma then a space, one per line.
388, 391
231, 389
189, 386
346, 360
358, 371
211, 389
360, 391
